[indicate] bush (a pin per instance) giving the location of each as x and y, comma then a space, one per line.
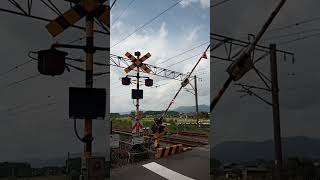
171, 121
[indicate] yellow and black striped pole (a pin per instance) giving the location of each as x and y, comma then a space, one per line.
137, 63
103, 15
66, 20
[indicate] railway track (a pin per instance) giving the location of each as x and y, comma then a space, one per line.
184, 142
194, 134
189, 140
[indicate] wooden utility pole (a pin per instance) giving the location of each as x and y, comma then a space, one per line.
89, 9
276, 112
89, 84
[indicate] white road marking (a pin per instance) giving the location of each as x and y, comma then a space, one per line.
165, 172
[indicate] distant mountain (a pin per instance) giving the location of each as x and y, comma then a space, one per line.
241, 151
123, 113
186, 109
180, 109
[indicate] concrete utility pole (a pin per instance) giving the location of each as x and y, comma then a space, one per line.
196, 98
276, 112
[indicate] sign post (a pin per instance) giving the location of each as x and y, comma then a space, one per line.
89, 9
137, 126
114, 141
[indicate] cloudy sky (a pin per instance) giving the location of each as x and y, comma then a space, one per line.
34, 109
248, 118
181, 28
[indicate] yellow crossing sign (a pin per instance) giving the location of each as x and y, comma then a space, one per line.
73, 15
137, 63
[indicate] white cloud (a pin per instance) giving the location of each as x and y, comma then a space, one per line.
193, 35
203, 3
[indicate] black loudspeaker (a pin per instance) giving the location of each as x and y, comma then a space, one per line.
51, 62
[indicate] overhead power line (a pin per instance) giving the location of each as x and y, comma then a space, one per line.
52, 7
183, 85
298, 39
113, 4
290, 34
145, 24
294, 24
15, 67
22, 80
76, 40
183, 60
184, 52
122, 12
219, 3
55, 7
20, 106
44, 19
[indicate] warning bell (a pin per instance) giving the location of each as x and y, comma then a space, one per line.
51, 62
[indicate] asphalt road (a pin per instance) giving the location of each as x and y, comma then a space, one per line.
193, 164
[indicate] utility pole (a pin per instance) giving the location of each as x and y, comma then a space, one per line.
196, 98
89, 84
137, 127
276, 112
89, 9
67, 164
138, 79
137, 146
243, 63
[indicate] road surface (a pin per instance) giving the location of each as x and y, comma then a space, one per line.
193, 164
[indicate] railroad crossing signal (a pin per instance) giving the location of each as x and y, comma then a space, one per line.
138, 63
73, 15
137, 127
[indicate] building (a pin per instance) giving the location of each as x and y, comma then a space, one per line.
255, 172
15, 169
74, 166
48, 171
232, 171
